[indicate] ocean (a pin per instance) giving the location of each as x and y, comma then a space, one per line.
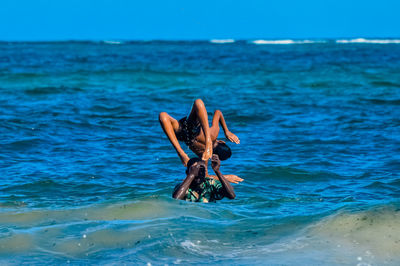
86, 172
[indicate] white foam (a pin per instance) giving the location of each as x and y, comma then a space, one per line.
112, 42
374, 41
189, 245
222, 41
288, 41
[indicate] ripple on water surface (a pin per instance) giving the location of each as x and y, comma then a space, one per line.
87, 173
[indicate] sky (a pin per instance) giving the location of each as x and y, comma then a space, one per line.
36, 20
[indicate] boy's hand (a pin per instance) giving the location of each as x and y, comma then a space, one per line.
215, 162
194, 169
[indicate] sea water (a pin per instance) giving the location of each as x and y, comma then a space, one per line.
86, 172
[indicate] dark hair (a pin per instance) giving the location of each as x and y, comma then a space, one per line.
222, 150
192, 161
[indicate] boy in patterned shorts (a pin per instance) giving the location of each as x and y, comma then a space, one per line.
198, 188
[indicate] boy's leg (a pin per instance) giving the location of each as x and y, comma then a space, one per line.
199, 113
170, 127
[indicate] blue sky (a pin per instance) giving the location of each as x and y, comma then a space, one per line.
192, 19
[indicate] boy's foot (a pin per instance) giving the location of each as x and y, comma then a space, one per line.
232, 137
208, 150
185, 159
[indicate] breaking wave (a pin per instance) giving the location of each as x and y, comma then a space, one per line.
112, 42
374, 41
220, 41
288, 41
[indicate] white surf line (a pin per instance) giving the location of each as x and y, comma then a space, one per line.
373, 41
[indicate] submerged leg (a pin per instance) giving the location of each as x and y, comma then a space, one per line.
170, 127
199, 113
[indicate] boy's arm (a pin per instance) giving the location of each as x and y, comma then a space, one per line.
181, 191
228, 189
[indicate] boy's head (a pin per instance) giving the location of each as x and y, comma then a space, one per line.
200, 163
222, 150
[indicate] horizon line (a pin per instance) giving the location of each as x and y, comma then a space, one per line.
193, 39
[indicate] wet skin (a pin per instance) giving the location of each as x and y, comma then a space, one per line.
203, 144
196, 175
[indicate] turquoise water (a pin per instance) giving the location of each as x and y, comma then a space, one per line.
87, 174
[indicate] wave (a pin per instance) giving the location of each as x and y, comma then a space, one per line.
22, 144
288, 173
383, 101
288, 41
373, 234
145, 73
372, 41
385, 84
220, 41
52, 90
112, 42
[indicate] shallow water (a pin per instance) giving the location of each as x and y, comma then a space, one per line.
87, 173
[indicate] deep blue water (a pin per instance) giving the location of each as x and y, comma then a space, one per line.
86, 173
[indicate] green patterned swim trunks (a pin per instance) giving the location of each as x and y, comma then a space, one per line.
211, 191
